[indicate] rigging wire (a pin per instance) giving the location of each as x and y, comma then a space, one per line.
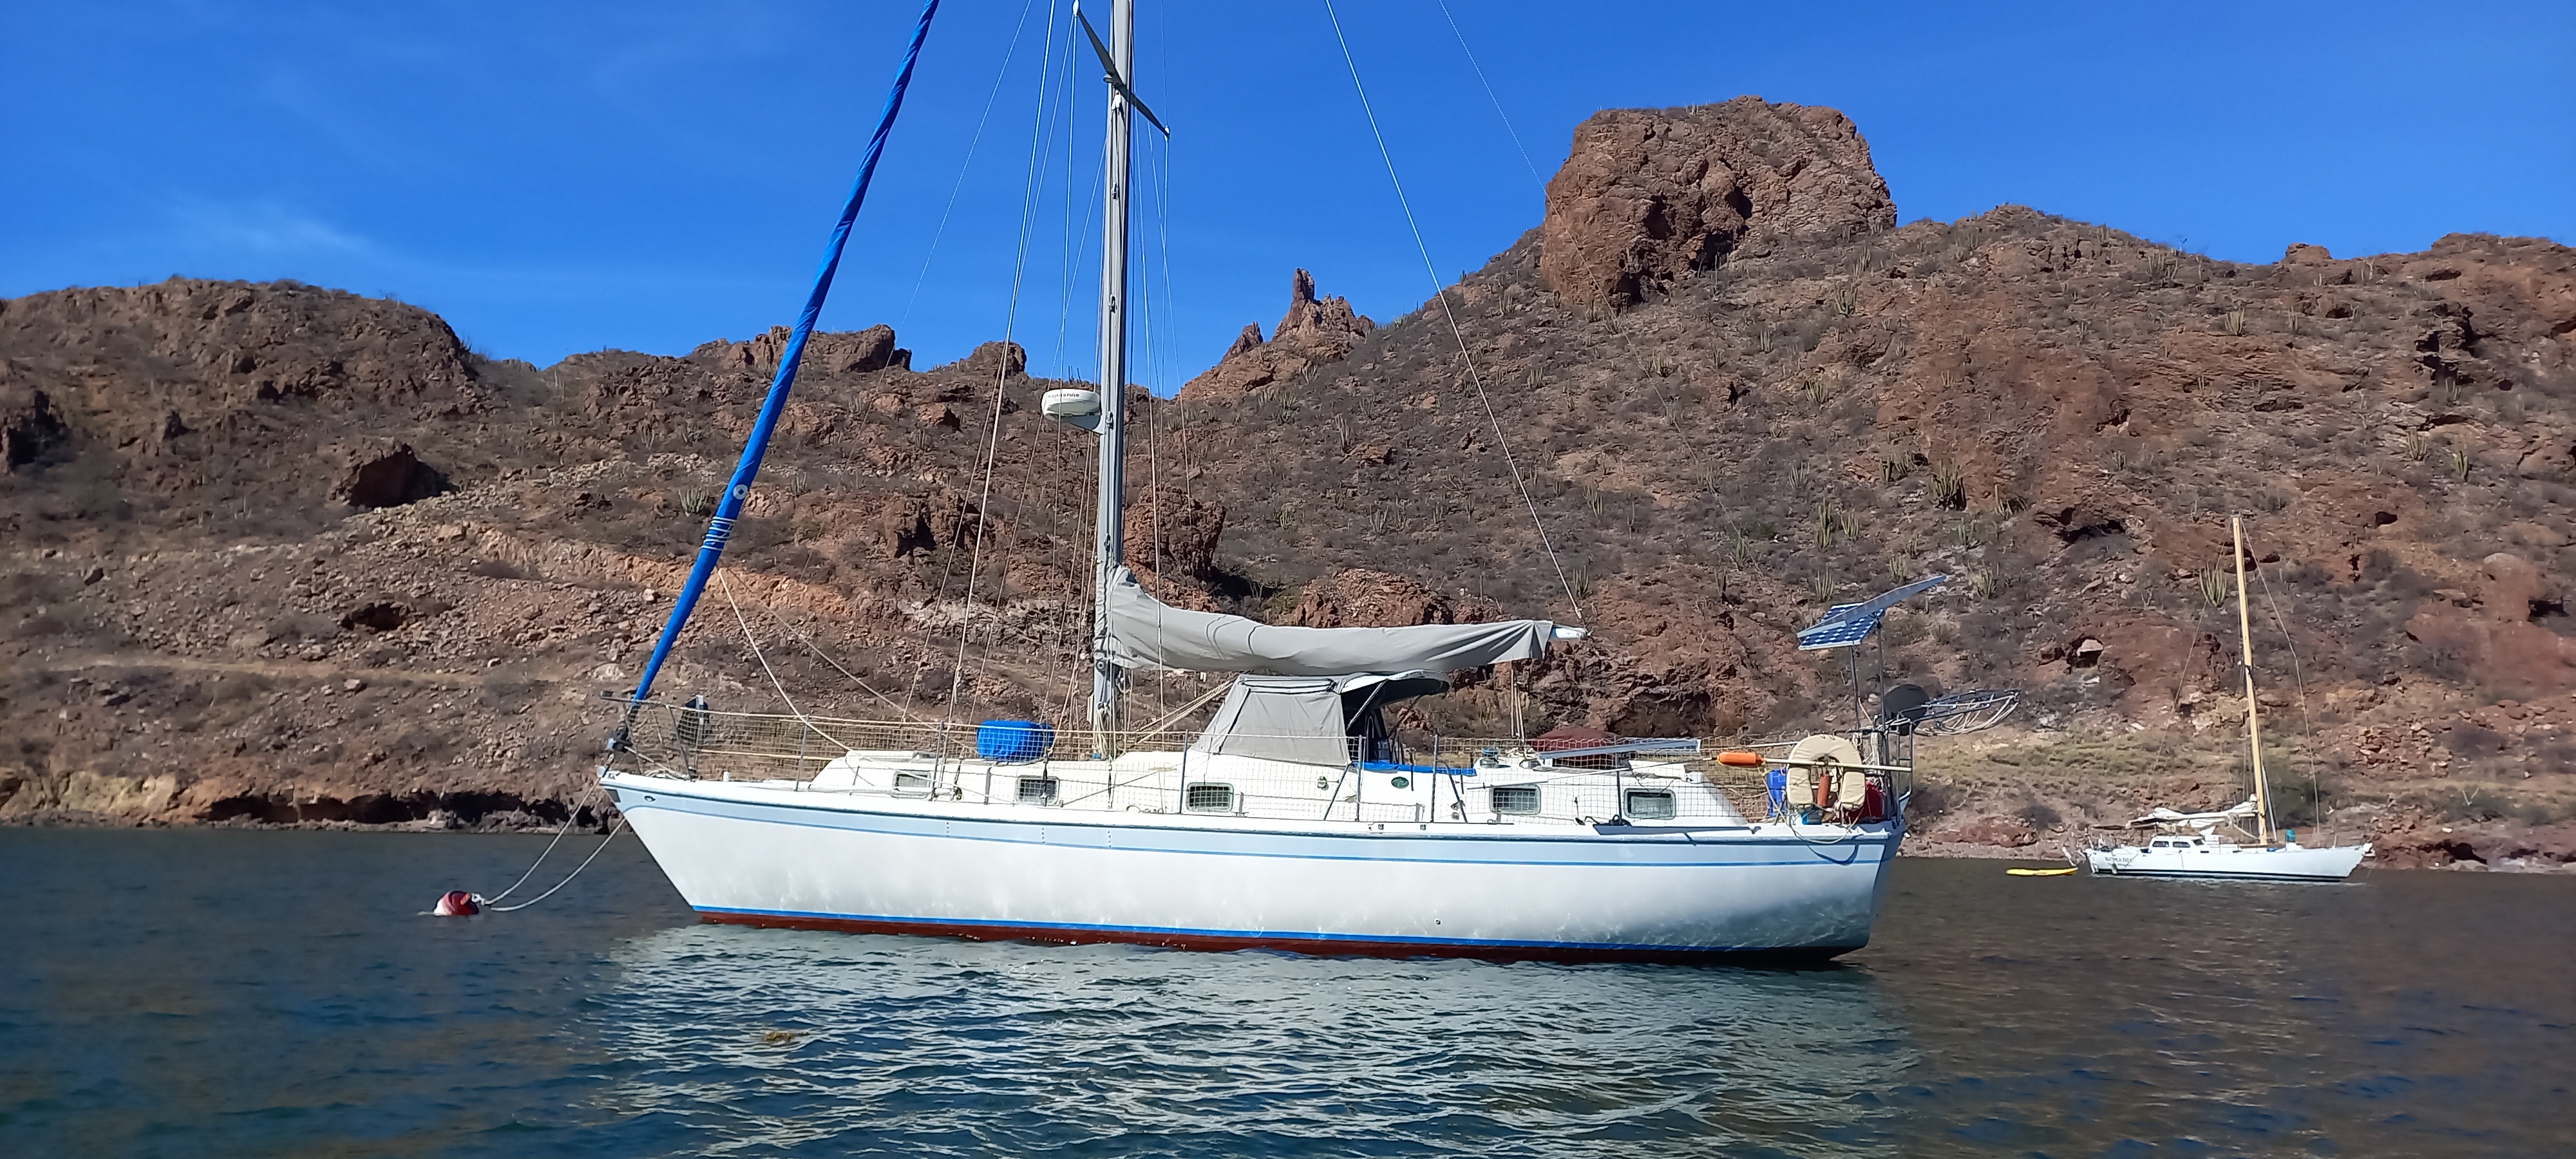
826, 658
993, 434
967, 166
1170, 718
1652, 381
1454, 30
1157, 424
2307, 717
1440, 291
1042, 131
725, 579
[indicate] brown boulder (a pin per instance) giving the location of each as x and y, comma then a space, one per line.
2515, 591
28, 426
386, 474
1171, 533
1360, 598
917, 524
836, 352
2007, 832
1315, 331
994, 359
1648, 197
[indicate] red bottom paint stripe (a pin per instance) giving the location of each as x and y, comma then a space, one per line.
1319, 947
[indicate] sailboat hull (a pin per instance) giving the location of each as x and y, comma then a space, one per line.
2231, 863
771, 857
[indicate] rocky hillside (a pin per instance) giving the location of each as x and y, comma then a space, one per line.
278, 553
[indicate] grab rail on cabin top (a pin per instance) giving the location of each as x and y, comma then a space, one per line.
928, 759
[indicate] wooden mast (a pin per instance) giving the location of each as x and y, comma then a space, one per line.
2253, 718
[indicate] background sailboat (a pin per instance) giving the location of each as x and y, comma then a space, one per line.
2241, 841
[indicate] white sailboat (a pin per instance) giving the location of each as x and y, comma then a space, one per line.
2220, 844
1292, 820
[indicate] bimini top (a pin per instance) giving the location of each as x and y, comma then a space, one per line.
1146, 633
1314, 720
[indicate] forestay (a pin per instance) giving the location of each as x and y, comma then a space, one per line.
1146, 633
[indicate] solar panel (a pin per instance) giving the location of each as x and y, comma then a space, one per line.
1844, 625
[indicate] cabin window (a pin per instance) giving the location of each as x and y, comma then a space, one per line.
1651, 805
1208, 798
1516, 799
914, 784
2160, 844
1037, 790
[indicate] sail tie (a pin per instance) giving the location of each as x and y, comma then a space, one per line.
1441, 293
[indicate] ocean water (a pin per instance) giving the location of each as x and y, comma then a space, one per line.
197, 993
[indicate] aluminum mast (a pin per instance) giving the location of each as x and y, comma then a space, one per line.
1108, 544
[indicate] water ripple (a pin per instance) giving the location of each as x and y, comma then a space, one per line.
941, 1048
277, 994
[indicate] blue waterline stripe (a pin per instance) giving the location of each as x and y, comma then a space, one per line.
1270, 935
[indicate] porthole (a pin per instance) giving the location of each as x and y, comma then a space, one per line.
1037, 790
1208, 798
912, 783
1516, 799
1400, 782
1651, 805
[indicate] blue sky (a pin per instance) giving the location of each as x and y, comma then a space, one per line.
564, 177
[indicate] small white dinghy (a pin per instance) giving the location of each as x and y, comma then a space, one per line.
2223, 844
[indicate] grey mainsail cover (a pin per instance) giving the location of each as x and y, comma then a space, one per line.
1147, 633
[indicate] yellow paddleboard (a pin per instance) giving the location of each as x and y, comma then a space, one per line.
2023, 871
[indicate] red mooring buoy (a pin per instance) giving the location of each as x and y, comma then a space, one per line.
457, 903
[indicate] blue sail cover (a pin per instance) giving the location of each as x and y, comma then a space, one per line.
738, 489
1847, 624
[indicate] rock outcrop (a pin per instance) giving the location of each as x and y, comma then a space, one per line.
1315, 331
1649, 197
1172, 533
28, 425
833, 352
1364, 598
385, 473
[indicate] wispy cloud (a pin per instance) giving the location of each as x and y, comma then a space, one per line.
264, 228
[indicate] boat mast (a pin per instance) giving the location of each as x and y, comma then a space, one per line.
1108, 544
2253, 721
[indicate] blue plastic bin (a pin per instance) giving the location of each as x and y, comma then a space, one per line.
1013, 740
